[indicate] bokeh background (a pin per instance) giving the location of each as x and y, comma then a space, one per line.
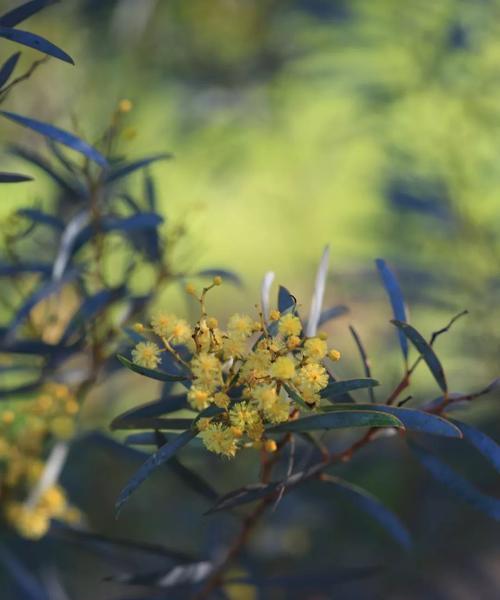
370, 126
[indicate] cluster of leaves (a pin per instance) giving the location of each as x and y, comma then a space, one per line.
337, 409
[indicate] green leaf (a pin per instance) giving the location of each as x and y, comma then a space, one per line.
151, 373
151, 423
426, 352
340, 419
338, 388
483, 443
415, 420
164, 454
36, 42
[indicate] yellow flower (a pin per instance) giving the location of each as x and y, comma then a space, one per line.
283, 368
240, 325
274, 315
312, 376
8, 417
53, 501
212, 323
163, 323
256, 366
198, 398
289, 325
309, 396
334, 355
203, 424
293, 342
219, 439
265, 395
207, 369
233, 347
270, 446
217, 280
221, 400
181, 332
125, 106
244, 417
146, 354
62, 427
30, 523
315, 348
277, 411
138, 327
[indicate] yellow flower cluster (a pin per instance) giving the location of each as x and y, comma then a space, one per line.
250, 372
25, 432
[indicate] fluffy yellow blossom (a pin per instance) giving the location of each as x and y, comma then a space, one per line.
274, 315
203, 423
212, 323
334, 355
277, 411
312, 376
289, 325
244, 417
207, 369
162, 324
293, 342
256, 366
221, 400
146, 354
240, 325
190, 289
309, 396
53, 501
217, 280
233, 347
264, 395
138, 327
62, 427
181, 332
30, 523
219, 439
198, 398
315, 348
283, 368
270, 446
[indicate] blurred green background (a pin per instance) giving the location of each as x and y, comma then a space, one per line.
370, 126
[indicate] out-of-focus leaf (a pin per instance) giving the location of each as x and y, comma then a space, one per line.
415, 420
151, 373
21, 13
38, 216
90, 308
128, 224
338, 388
318, 580
128, 168
18, 269
296, 397
180, 575
395, 294
368, 503
26, 584
14, 178
35, 41
364, 358
224, 273
153, 462
44, 291
8, 67
21, 390
340, 419
151, 423
150, 192
426, 352
58, 135
456, 483
192, 480
319, 292
483, 443
37, 160
155, 409
332, 313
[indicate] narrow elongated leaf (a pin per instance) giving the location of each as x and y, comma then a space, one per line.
128, 168
153, 462
42, 218
340, 419
58, 135
151, 373
396, 299
155, 409
426, 352
152, 423
36, 42
21, 13
192, 480
338, 388
14, 178
179, 575
27, 585
414, 420
456, 483
319, 292
224, 273
367, 502
364, 359
332, 313
8, 68
483, 443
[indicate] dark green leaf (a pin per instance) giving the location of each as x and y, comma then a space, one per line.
395, 294
370, 504
8, 68
151, 423
58, 135
338, 388
128, 168
415, 420
364, 359
151, 373
332, 313
340, 419
156, 408
35, 41
181, 575
456, 483
14, 178
21, 13
426, 352
153, 462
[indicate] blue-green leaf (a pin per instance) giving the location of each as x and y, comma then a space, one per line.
128, 168
35, 41
8, 68
14, 178
151, 373
456, 483
415, 420
338, 388
153, 462
395, 294
367, 502
58, 135
151, 423
340, 419
483, 443
426, 352
23, 12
